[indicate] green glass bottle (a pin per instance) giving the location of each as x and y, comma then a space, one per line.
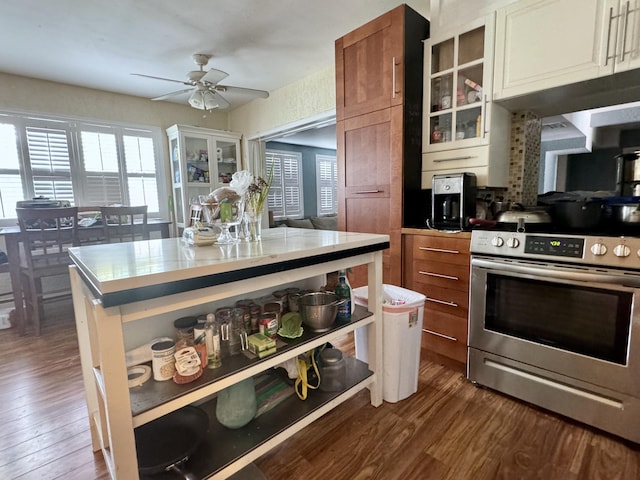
343, 291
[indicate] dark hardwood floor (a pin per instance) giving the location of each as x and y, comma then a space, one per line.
448, 430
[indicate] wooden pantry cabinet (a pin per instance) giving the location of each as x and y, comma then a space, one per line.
378, 113
437, 265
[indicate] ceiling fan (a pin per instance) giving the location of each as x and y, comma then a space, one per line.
204, 86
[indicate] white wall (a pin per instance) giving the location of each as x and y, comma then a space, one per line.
33, 95
311, 97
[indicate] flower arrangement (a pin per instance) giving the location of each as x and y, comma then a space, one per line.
255, 192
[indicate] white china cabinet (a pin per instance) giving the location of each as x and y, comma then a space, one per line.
541, 44
463, 130
201, 161
131, 292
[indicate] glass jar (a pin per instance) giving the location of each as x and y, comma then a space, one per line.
184, 331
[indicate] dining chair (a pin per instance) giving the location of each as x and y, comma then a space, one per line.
195, 214
125, 224
47, 234
6, 294
91, 233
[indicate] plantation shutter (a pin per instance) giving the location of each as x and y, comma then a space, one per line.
100, 158
10, 182
139, 157
49, 159
285, 195
326, 184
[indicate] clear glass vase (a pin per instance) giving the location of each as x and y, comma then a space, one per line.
253, 230
237, 405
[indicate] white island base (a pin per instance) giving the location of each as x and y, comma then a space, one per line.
126, 294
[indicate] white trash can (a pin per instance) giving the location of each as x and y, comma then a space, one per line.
402, 312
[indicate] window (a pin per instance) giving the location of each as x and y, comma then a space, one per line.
87, 164
285, 196
326, 184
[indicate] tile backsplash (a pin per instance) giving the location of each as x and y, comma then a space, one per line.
524, 158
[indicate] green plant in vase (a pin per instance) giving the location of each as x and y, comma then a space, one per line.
255, 200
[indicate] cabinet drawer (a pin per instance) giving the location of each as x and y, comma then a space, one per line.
446, 325
446, 300
445, 275
458, 158
441, 249
449, 348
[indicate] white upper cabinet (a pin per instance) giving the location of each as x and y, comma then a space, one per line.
541, 44
463, 130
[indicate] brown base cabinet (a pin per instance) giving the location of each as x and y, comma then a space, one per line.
437, 265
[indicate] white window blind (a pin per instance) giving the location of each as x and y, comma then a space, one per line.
285, 196
326, 184
87, 164
101, 168
50, 163
11, 185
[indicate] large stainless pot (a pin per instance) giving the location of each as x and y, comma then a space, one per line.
579, 214
626, 213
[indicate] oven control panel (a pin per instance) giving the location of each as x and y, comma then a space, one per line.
555, 246
592, 250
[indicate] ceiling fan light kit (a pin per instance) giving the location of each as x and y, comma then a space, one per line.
203, 100
205, 95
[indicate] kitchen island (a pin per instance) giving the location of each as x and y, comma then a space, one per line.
127, 294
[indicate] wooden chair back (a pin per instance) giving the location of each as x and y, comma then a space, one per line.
125, 224
46, 234
6, 295
195, 214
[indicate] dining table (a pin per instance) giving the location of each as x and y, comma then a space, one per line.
12, 238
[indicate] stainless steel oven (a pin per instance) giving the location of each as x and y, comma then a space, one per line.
555, 320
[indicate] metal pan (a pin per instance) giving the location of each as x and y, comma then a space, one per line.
166, 443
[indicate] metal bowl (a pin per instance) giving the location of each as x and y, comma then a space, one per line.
319, 310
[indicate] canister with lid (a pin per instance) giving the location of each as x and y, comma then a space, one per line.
162, 361
333, 377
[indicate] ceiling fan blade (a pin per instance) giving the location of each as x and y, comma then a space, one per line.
214, 76
173, 94
160, 78
249, 91
222, 102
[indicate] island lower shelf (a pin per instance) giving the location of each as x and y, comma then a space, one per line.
223, 446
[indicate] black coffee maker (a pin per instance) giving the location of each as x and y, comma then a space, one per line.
453, 201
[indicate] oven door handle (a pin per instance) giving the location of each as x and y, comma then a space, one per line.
559, 273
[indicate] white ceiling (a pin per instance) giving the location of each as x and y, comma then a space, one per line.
261, 44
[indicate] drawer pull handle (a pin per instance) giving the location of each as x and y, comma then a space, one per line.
443, 302
441, 335
439, 250
439, 275
463, 157
368, 191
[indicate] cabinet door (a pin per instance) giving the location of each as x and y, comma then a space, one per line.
549, 43
227, 160
458, 86
370, 66
627, 56
370, 180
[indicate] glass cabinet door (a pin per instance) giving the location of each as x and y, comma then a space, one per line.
227, 160
196, 159
456, 77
